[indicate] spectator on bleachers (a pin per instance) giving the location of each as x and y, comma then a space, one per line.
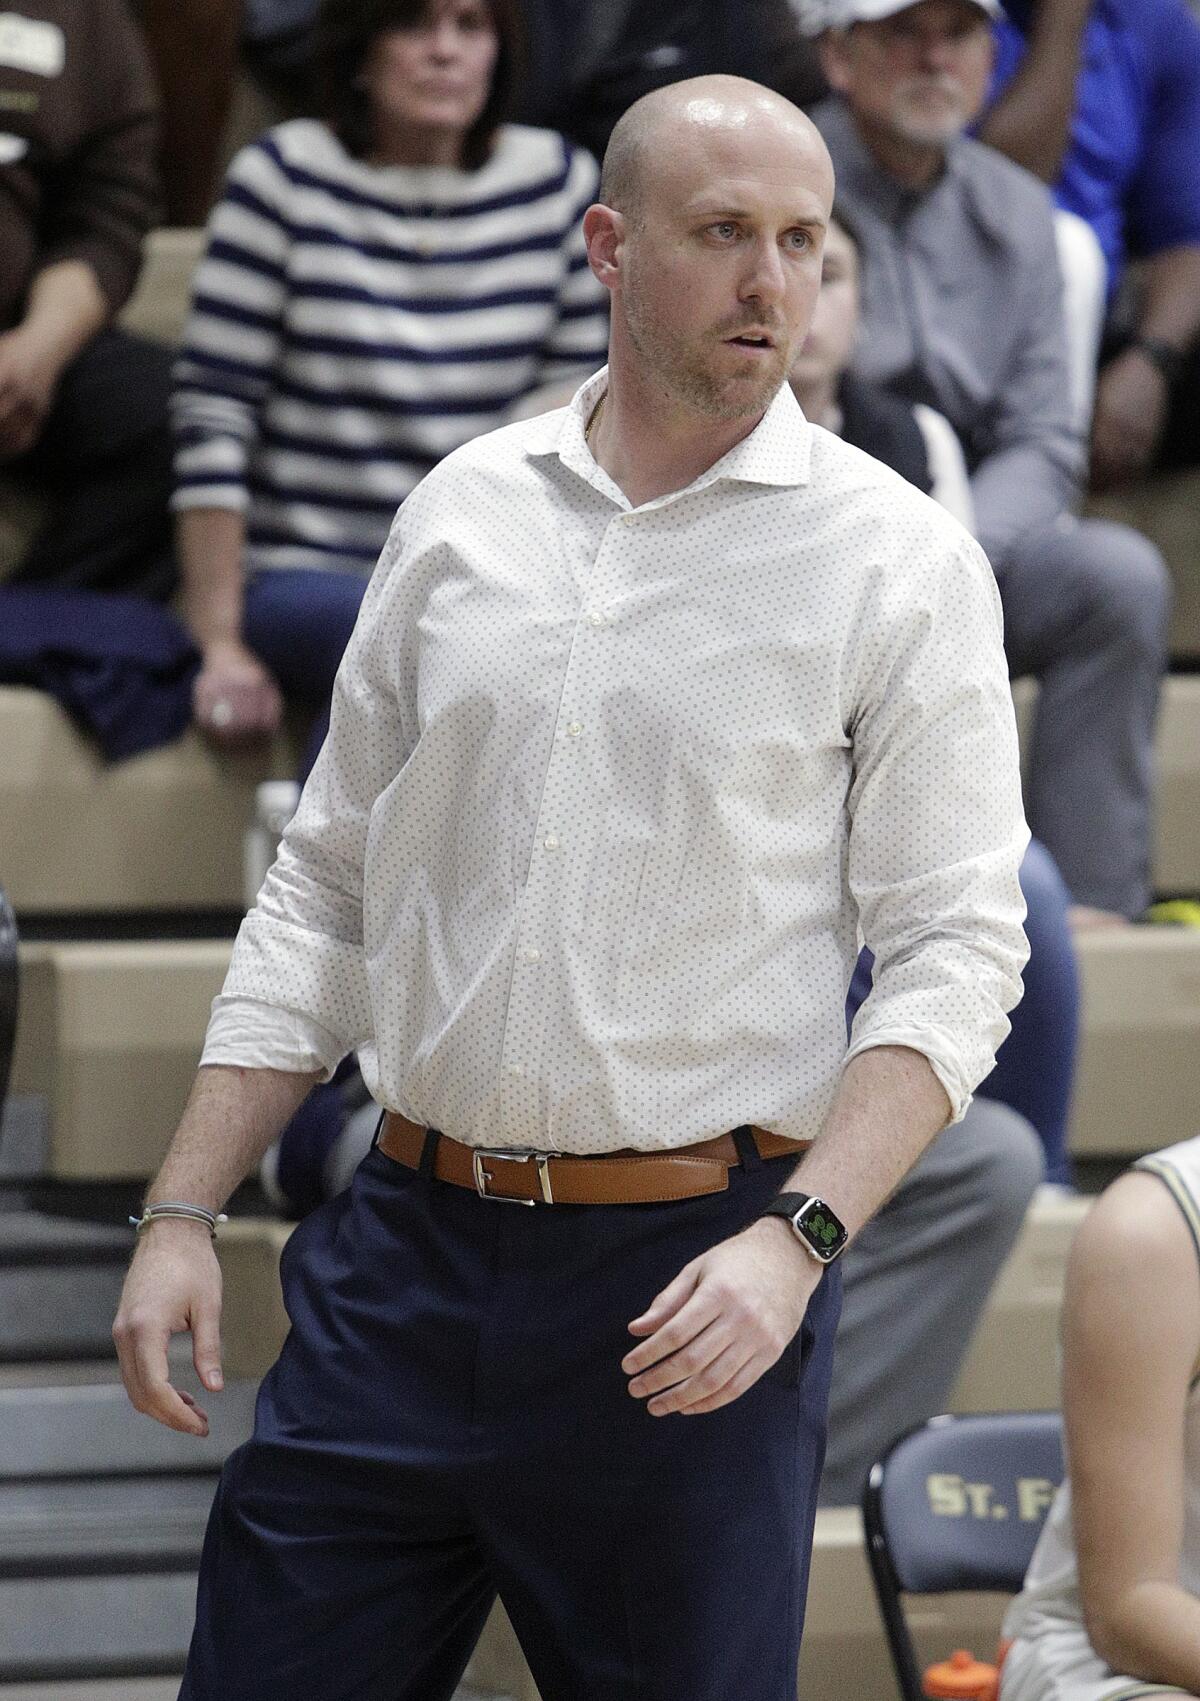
1101, 100
585, 62
914, 440
83, 406
963, 310
1111, 1604
378, 288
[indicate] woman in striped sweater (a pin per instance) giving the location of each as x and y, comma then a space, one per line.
377, 289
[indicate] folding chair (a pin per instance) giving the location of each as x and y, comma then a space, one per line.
957, 1504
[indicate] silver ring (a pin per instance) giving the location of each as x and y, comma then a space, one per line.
221, 712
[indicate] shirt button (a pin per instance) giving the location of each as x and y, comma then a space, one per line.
551, 841
575, 728
595, 617
531, 954
514, 1069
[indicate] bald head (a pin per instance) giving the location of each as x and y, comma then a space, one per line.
670, 125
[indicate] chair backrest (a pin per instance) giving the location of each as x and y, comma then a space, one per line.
957, 1504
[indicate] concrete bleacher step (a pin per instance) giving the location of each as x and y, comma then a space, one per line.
60, 1281
108, 1038
1165, 507
1138, 1079
1013, 1361
1176, 848
102, 1516
162, 831
110, 1034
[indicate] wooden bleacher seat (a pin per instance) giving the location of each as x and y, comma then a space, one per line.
162, 831
1176, 850
1138, 1081
1012, 1364
109, 1034
1165, 508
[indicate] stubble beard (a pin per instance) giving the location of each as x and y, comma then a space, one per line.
679, 368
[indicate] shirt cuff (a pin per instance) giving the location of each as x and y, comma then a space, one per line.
244, 1033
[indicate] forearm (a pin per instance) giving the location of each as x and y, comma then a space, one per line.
888, 1107
1170, 306
1031, 121
1151, 1632
65, 309
209, 543
231, 1117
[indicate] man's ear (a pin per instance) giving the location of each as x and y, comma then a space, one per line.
604, 233
832, 47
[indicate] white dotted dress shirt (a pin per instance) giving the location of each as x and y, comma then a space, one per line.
610, 795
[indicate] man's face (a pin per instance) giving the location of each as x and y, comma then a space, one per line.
920, 75
721, 266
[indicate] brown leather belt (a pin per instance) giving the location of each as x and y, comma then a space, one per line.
552, 1178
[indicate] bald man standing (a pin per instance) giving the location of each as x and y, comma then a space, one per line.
654, 703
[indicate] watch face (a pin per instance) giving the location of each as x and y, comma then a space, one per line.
817, 1223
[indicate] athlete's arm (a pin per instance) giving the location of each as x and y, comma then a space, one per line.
1131, 1339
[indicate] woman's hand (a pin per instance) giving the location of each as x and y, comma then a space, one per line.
235, 699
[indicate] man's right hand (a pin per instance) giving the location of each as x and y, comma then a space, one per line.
174, 1284
235, 698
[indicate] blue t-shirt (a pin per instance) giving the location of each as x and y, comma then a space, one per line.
1132, 166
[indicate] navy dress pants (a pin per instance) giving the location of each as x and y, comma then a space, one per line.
449, 1418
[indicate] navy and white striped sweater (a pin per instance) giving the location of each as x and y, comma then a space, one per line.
351, 324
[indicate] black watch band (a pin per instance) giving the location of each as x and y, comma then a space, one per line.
818, 1228
1168, 359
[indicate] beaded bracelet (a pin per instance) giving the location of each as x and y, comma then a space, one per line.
175, 1208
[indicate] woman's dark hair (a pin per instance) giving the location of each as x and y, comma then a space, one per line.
345, 32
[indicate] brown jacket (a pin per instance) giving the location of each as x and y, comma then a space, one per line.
78, 173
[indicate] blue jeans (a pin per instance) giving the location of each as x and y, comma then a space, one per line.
449, 1419
299, 624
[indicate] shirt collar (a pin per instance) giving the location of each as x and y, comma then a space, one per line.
777, 452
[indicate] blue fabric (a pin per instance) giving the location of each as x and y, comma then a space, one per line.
122, 668
1131, 168
1035, 1067
449, 1418
299, 623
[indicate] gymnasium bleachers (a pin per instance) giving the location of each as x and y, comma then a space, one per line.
127, 881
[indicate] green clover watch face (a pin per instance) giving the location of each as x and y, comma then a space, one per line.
818, 1225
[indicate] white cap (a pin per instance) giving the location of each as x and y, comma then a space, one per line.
841, 13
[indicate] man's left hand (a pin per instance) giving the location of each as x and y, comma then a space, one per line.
28, 377
722, 1322
1127, 422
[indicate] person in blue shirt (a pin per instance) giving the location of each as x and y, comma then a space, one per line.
1101, 99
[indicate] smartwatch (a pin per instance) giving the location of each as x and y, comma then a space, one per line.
820, 1230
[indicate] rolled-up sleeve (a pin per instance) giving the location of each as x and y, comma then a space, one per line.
937, 828
300, 950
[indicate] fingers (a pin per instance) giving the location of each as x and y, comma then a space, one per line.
665, 1305
693, 1356
142, 1352
206, 1347
711, 1386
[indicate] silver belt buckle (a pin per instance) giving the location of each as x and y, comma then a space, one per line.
513, 1155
